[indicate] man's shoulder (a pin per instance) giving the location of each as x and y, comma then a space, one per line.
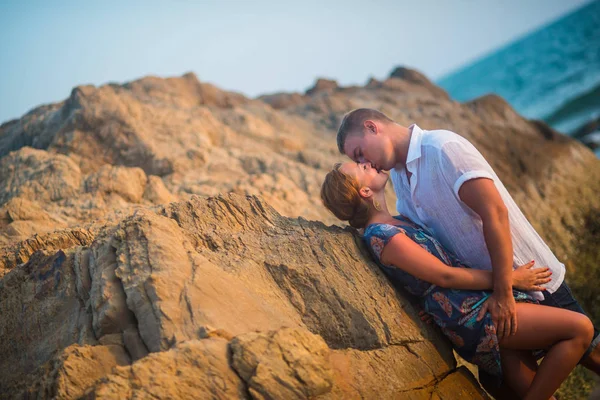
439, 137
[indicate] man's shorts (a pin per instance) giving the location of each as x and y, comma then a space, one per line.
563, 298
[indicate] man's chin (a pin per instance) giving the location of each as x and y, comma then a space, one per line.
387, 168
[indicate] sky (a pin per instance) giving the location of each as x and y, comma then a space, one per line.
252, 47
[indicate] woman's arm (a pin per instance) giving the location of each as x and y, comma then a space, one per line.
405, 254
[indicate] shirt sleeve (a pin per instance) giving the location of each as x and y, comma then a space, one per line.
460, 162
379, 237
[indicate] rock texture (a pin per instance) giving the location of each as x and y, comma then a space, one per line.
297, 305
284, 364
197, 369
77, 368
164, 238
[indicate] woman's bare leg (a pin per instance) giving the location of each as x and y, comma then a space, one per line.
567, 333
519, 368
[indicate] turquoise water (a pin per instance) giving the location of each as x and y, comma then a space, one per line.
552, 74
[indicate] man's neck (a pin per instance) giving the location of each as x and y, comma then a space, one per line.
401, 143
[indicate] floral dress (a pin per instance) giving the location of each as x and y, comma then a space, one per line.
455, 311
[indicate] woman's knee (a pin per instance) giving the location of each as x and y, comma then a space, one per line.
583, 329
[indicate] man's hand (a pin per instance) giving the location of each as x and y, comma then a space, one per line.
503, 311
529, 279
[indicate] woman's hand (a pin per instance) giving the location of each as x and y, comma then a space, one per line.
529, 279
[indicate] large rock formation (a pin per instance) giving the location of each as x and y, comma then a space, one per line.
220, 297
126, 268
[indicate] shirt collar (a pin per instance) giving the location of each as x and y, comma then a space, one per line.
414, 146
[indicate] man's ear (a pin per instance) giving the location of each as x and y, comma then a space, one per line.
371, 127
365, 192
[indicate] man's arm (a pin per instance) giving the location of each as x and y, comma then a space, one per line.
481, 196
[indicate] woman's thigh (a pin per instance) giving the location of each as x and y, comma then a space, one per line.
541, 326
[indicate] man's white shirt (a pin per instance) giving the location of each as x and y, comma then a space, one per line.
440, 161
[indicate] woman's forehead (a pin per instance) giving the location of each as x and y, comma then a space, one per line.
348, 167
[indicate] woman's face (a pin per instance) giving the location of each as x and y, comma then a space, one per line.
365, 174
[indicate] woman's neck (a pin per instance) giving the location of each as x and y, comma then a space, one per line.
380, 217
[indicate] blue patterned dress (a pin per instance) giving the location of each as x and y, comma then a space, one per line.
455, 311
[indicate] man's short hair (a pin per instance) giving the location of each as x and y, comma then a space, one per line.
353, 123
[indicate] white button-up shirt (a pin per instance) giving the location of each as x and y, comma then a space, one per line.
440, 161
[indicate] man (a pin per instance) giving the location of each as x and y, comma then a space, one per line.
444, 184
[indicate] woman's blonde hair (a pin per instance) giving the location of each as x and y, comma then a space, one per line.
340, 194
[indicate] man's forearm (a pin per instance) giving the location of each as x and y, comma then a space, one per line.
496, 232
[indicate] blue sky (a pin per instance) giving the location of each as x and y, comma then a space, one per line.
48, 47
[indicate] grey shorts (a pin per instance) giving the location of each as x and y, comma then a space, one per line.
563, 298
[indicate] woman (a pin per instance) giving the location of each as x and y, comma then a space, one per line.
452, 293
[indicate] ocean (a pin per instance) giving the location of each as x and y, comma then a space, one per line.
552, 74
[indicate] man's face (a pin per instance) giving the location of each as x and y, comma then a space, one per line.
371, 147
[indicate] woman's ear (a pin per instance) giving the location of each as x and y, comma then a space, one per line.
365, 192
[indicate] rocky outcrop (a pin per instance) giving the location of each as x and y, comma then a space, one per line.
20, 252
20, 217
322, 86
77, 368
37, 175
137, 259
197, 369
284, 364
301, 310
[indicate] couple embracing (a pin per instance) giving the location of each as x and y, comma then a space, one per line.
464, 248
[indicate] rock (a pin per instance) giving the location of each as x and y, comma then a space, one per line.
460, 384
43, 313
76, 369
322, 85
17, 209
185, 92
156, 192
105, 239
409, 75
214, 268
373, 83
20, 252
37, 175
129, 183
353, 368
286, 364
197, 369
21, 218
283, 100
414, 77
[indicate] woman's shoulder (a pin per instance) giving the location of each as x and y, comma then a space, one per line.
379, 229
387, 228
377, 236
